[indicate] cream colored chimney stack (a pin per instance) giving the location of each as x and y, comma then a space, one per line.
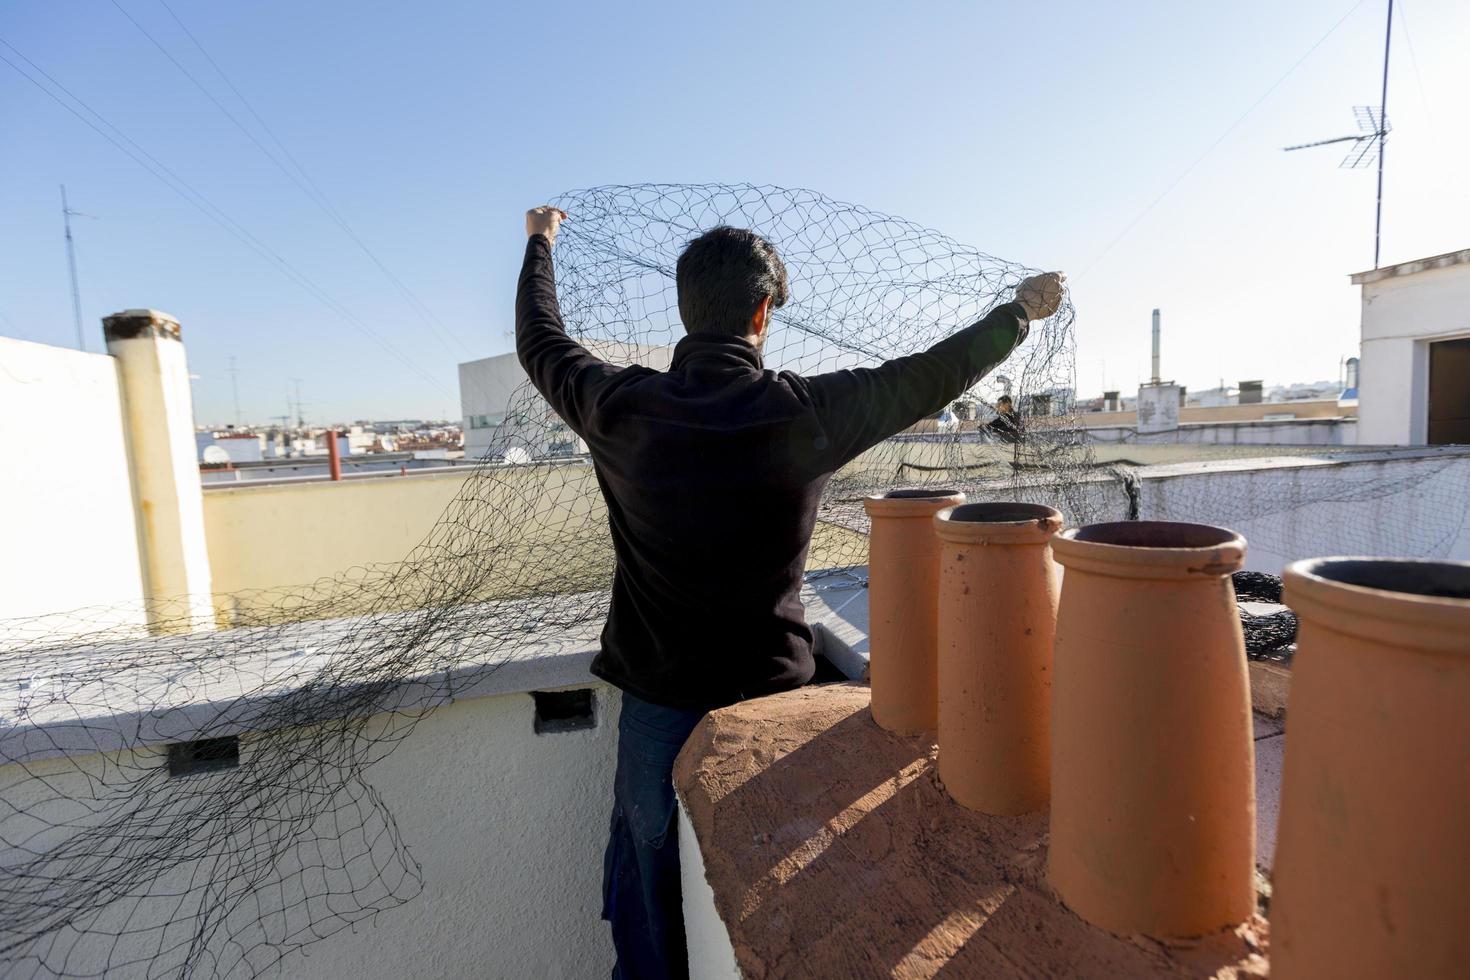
158, 413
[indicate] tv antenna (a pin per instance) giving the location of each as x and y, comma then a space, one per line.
1368, 141
71, 260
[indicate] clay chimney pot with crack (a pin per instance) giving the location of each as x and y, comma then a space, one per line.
1373, 845
998, 589
903, 584
1153, 770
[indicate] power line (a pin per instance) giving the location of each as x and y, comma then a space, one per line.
1218, 140
178, 185
1414, 60
304, 183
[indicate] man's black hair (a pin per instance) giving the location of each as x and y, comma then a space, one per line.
1004, 398
722, 277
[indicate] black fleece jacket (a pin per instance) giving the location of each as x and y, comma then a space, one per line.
712, 472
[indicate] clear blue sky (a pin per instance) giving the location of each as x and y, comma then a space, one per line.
1039, 133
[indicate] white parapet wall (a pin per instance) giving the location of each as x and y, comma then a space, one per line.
1408, 503
502, 806
1275, 432
504, 826
70, 538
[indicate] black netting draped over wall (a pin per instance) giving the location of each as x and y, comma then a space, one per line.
194, 797
186, 787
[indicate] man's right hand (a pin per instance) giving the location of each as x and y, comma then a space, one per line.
544, 220
1041, 295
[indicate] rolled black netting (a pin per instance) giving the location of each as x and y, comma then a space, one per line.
1269, 635
193, 798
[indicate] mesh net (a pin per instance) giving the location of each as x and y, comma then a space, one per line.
217, 858
128, 853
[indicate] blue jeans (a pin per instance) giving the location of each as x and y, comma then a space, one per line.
641, 896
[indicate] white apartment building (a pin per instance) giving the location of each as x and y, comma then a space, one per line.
506, 417
1415, 370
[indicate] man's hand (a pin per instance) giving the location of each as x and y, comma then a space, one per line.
544, 220
1041, 295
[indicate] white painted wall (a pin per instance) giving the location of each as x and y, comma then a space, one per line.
1402, 313
69, 538
711, 953
1158, 407
508, 826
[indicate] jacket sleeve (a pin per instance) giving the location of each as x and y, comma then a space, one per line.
564, 371
861, 407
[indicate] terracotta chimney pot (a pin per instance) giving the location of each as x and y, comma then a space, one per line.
1373, 848
903, 603
998, 589
1153, 769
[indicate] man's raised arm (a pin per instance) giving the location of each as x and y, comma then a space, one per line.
861, 407
561, 369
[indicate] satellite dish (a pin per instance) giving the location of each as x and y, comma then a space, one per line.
215, 455
517, 456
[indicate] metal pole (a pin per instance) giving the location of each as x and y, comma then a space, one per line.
334, 455
1382, 135
1156, 347
71, 261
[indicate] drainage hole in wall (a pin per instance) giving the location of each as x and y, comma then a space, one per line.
203, 755
565, 711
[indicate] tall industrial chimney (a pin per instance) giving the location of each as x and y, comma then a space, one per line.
1156, 347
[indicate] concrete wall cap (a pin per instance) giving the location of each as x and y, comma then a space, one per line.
131, 324
1411, 267
239, 696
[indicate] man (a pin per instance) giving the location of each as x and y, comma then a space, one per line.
712, 472
1006, 426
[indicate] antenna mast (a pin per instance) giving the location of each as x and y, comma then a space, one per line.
1383, 111
1369, 141
71, 261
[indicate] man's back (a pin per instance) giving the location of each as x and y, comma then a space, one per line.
713, 472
